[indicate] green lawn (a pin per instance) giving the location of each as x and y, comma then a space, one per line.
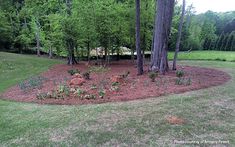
205, 55
15, 68
210, 115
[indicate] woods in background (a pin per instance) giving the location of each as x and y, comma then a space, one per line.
75, 28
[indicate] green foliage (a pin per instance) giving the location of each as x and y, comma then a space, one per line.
101, 93
152, 76
183, 81
80, 92
180, 73
86, 75
73, 71
32, 83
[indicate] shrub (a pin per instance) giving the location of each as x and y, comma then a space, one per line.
183, 81
63, 88
125, 75
152, 76
180, 73
32, 83
86, 75
73, 71
101, 93
115, 86
93, 86
79, 92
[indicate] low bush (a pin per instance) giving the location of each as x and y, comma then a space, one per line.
32, 83
183, 81
152, 76
86, 75
73, 71
180, 73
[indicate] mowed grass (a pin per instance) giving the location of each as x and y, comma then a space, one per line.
205, 55
15, 68
209, 115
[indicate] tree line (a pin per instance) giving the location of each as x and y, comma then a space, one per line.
76, 27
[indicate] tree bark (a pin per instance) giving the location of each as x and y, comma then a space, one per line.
38, 38
177, 48
163, 22
138, 49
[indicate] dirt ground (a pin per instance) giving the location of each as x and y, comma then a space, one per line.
133, 87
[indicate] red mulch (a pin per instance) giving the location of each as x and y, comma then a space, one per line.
134, 87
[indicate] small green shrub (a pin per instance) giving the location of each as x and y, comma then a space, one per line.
63, 88
80, 92
73, 71
101, 93
93, 86
86, 75
152, 76
115, 86
180, 73
32, 83
183, 81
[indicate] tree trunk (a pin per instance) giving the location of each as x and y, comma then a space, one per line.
88, 51
50, 52
177, 48
38, 38
138, 49
163, 21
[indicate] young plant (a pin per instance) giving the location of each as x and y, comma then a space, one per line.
180, 73
101, 93
86, 75
73, 71
152, 76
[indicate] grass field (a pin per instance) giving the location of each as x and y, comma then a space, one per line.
15, 68
205, 55
210, 114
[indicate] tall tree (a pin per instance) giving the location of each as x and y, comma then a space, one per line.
177, 48
138, 48
163, 22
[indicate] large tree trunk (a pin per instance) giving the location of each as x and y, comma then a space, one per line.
163, 22
177, 48
138, 49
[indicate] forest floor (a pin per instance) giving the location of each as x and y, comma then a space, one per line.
206, 116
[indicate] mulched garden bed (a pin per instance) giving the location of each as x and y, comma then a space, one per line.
102, 89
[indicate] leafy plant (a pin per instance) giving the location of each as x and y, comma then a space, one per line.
152, 76
73, 71
79, 92
180, 73
93, 86
183, 81
86, 75
32, 83
101, 93
115, 86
